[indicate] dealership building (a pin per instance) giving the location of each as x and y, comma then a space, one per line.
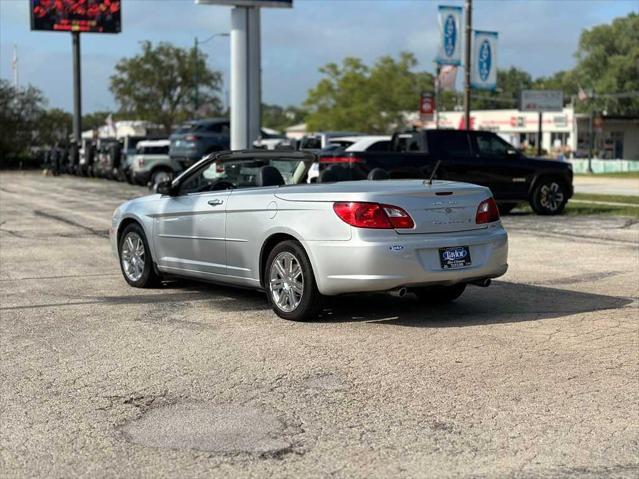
564, 132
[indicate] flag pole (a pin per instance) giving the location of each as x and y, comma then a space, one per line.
437, 95
469, 31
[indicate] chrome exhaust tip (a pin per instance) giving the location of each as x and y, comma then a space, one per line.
483, 283
400, 293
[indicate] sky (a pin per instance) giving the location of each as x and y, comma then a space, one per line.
538, 36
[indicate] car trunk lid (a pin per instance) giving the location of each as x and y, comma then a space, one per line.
444, 206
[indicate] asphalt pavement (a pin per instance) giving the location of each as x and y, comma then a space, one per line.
535, 376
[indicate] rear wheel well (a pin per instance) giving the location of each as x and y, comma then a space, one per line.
268, 246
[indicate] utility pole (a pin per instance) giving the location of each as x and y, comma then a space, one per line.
77, 89
196, 80
539, 133
467, 55
591, 142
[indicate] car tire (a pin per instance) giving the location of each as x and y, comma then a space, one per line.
549, 197
506, 208
290, 283
440, 294
135, 258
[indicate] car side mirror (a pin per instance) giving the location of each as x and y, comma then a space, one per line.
164, 188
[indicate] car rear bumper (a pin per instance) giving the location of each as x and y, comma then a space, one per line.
405, 261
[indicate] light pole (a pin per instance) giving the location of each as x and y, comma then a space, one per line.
197, 43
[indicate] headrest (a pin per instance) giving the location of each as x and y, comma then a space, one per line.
269, 176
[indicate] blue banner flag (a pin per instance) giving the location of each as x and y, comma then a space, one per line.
483, 74
450, 30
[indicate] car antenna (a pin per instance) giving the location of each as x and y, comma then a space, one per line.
432, 175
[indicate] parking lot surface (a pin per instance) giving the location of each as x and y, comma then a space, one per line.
535, 376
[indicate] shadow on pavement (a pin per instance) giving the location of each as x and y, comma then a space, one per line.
503, 302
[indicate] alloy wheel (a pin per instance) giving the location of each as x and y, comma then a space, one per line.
132, 256
551, 196
286, 281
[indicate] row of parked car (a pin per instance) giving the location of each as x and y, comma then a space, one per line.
479, 157
148, 160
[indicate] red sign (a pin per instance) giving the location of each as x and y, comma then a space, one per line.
100, 16
426, 106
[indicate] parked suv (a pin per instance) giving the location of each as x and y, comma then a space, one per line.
151, 162
192, 141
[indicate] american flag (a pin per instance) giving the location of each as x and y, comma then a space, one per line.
447, 77
582, 95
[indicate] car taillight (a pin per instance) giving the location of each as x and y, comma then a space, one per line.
487, 212
191, 138
341, 159
141, 162
373, 215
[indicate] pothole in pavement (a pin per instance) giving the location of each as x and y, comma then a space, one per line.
208, 427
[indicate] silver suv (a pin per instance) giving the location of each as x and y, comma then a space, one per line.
151, 163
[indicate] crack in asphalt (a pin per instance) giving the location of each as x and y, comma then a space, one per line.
96, 232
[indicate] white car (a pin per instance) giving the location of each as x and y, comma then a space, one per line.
363, 143
354, 143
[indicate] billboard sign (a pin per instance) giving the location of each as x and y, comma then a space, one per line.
249, 3
484, 62
541, 100
95, 16
450, 41
426, 106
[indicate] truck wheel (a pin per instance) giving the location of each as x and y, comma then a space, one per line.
439, 294
290, 283
549, 197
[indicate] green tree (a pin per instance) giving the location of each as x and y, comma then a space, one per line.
94, 120
608, 64
20, 112
354, 96
54, 126
159, 84
509, 83
279, 118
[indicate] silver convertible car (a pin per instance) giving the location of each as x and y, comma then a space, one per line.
250, 219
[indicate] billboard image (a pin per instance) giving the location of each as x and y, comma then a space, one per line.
97, 16
249, 3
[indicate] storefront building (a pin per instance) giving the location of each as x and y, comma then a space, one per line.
563, 133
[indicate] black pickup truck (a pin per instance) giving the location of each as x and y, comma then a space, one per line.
479, 157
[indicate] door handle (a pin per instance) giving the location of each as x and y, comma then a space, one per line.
216, 202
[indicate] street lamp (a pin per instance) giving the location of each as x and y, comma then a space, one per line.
197, 43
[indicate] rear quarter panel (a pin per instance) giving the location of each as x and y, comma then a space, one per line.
254, 215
